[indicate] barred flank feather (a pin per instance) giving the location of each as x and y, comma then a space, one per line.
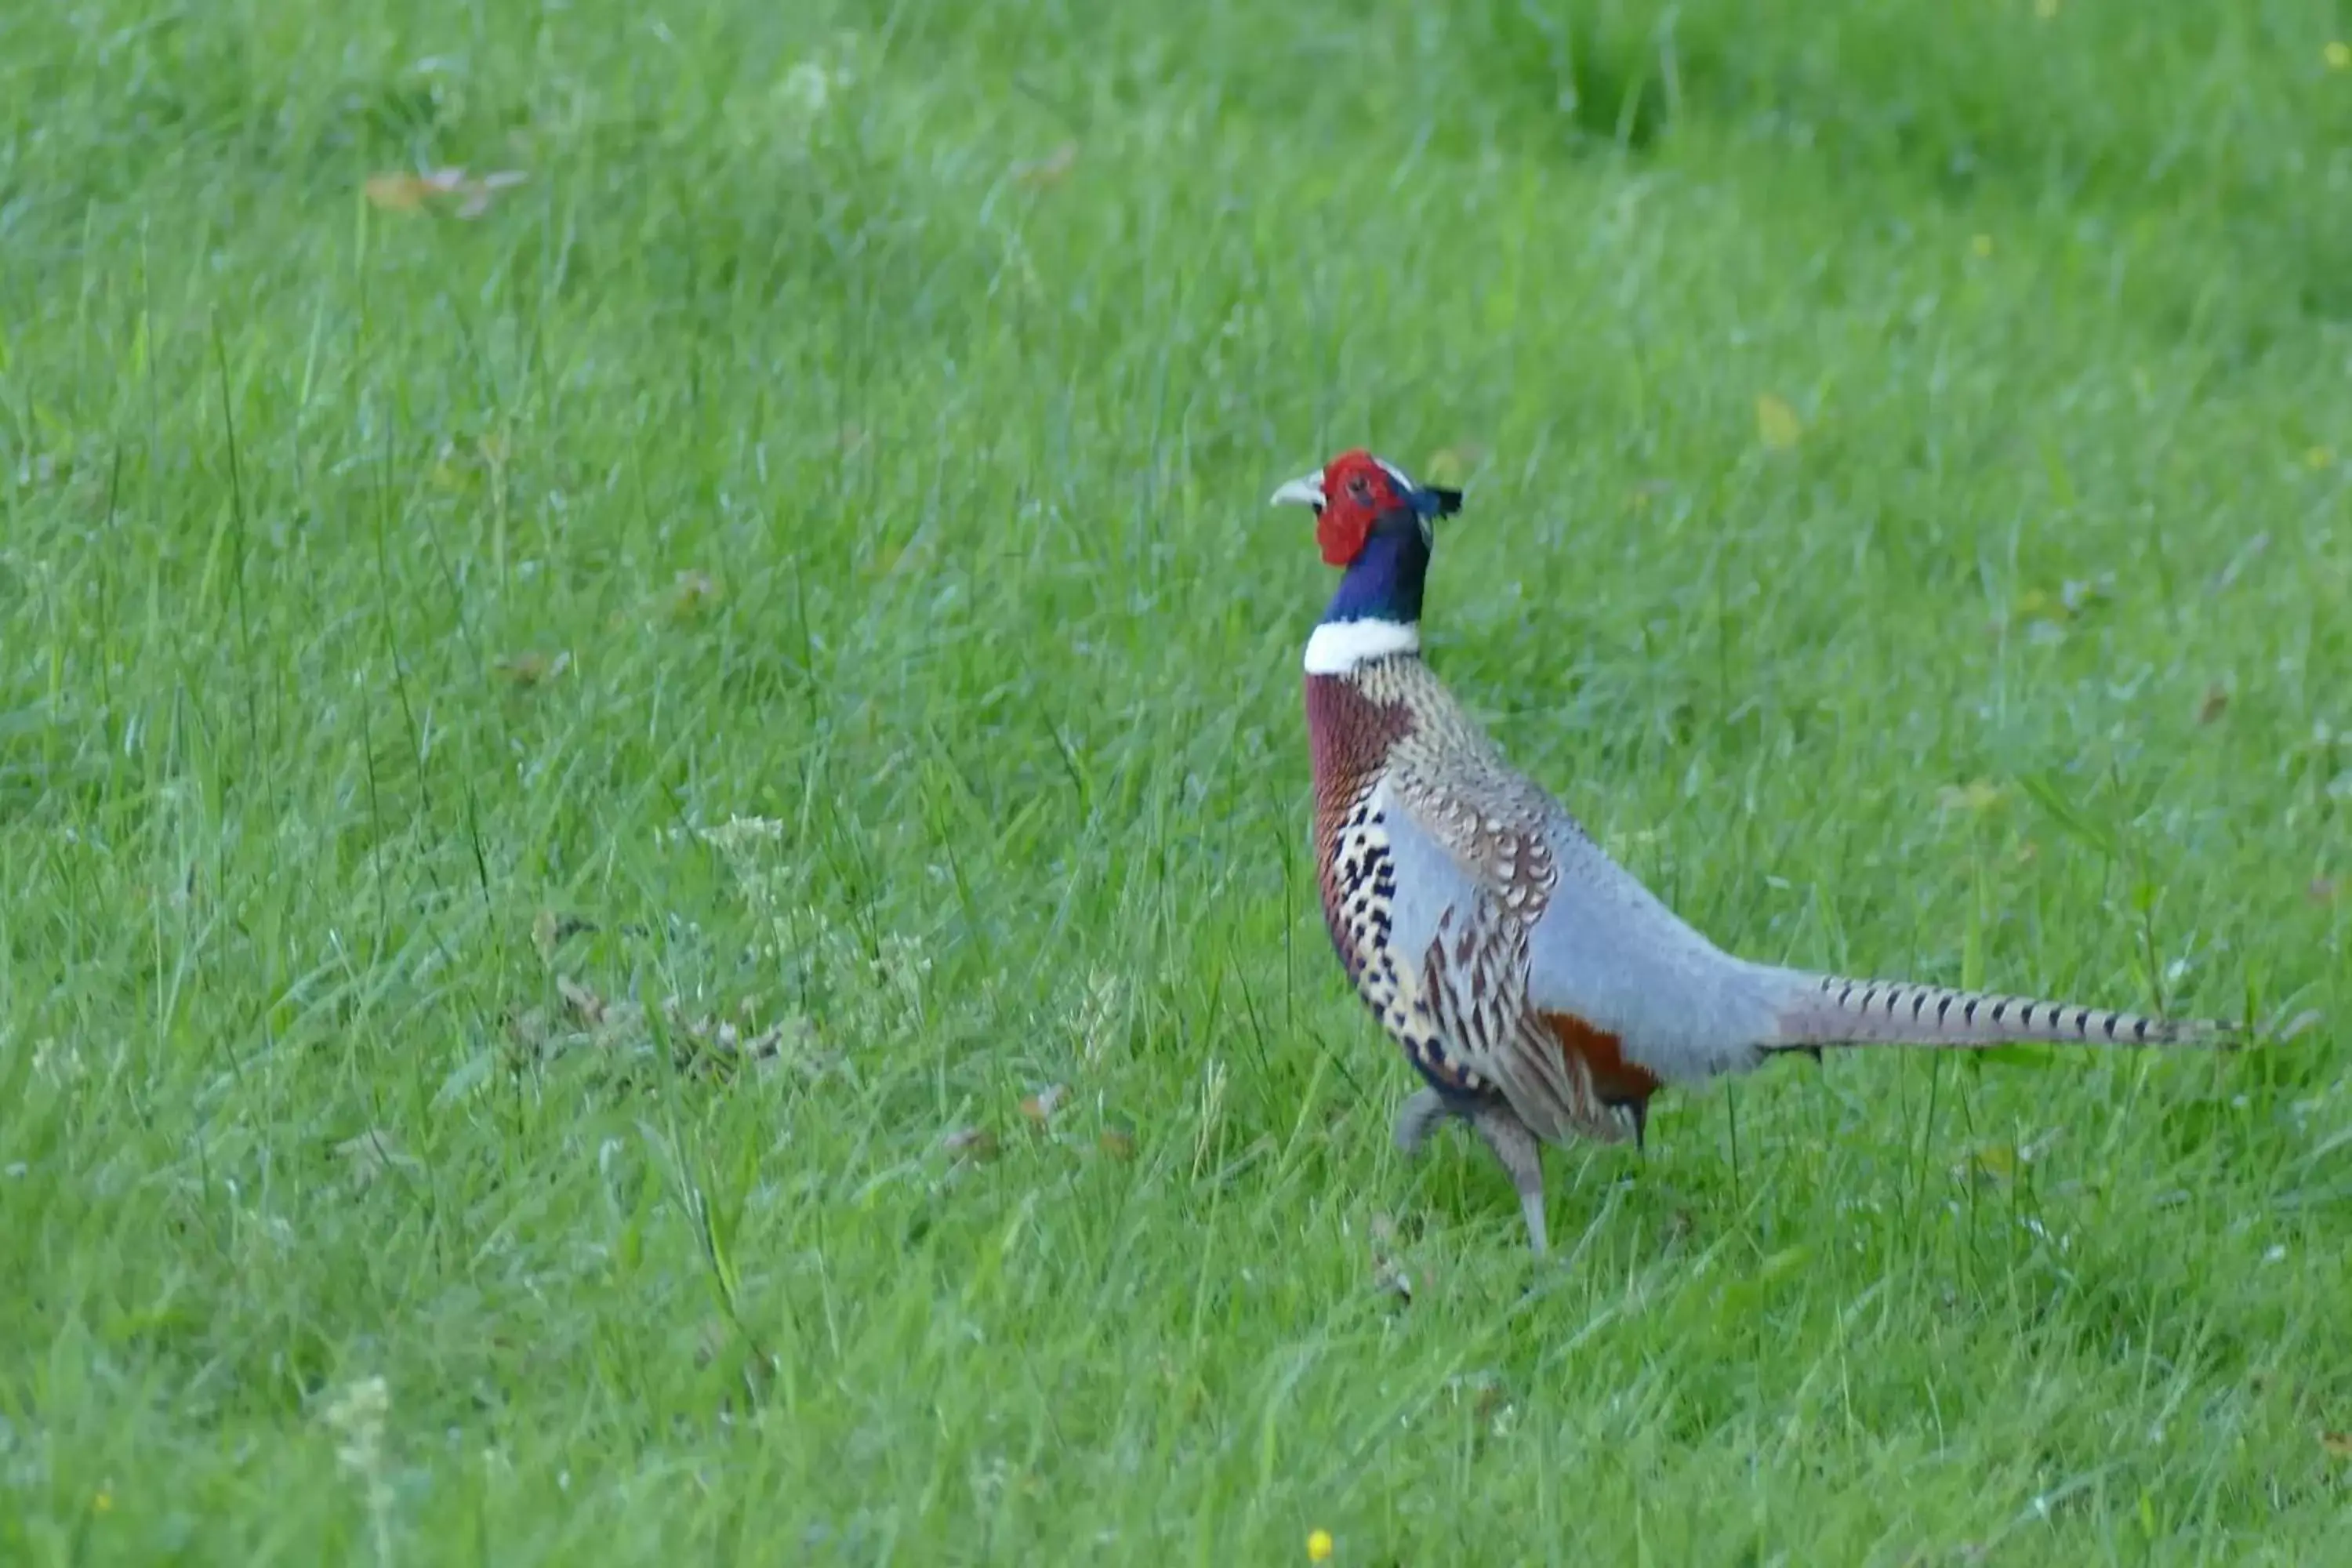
1833, 1010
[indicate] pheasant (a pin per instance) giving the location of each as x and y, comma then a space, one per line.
1542, 992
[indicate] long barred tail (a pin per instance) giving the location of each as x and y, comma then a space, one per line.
1833, 1010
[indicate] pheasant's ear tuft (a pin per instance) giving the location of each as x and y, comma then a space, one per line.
1448, 501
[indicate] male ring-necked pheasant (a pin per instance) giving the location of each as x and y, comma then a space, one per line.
1539, 989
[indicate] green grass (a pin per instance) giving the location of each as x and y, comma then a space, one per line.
861, 418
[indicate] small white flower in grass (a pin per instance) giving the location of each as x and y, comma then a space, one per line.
808, 86
58, 1062
356, 1415
814, 86
732, 836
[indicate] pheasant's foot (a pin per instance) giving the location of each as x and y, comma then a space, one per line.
1522, 1158
1417, 1117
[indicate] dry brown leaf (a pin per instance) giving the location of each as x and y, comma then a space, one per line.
1040, 1107
1118, 1143
1974, 798
2080, 595
543, 937
2075, 597
708, 1042
689, 593
550, 931
527, 669
970, 1145
400, 191
584, 1004
397, 193
1452, 465
1994, 1162
716, 1041
891, 558
1050, 170
1777, 423
2216, 703
1998, 1163
2338, 1444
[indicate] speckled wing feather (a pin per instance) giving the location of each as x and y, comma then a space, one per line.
1483, 855
1462, 936
1613, 993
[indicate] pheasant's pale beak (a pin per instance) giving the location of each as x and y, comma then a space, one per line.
1306, 490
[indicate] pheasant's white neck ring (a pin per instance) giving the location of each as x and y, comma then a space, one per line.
1338, 646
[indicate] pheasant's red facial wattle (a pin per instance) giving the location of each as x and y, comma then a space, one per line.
1341, 531
1355, 495
1356, 489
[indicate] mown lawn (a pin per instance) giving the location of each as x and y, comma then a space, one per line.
1910, 455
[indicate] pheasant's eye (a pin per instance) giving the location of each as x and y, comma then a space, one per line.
1360, 488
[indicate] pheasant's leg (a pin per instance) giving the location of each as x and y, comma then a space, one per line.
1417, 1117
1522, 1158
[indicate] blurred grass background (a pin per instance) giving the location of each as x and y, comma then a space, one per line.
1908, 449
